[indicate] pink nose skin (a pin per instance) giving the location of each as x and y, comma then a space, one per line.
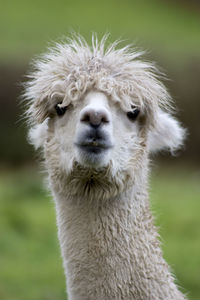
95, 118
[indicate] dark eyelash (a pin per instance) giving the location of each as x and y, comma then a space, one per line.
60, 110
132, 115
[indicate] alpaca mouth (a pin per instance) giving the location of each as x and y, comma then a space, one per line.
94, 146
94, 141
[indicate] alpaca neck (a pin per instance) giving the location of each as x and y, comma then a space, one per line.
111, 251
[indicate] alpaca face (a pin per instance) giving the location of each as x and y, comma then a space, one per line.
115, 125
95, 133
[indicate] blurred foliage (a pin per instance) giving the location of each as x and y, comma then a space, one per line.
28, 25
29, 252
168, 29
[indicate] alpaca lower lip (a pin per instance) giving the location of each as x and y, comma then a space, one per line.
94, 146
92, 149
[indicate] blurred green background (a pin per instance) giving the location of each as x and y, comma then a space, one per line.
30, 263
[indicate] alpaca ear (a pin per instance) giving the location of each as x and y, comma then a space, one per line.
37, 135
167, 134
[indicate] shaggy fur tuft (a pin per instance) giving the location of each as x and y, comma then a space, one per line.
71, 69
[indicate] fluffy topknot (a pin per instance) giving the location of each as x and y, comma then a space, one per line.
70, 69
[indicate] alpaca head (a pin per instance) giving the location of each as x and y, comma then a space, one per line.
99, 109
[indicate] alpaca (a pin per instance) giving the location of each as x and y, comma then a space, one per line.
98, 113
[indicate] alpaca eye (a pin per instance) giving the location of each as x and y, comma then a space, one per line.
60, 110
132, 115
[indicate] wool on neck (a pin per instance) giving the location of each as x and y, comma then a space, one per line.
110, 246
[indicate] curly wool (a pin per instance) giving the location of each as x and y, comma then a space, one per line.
71, 69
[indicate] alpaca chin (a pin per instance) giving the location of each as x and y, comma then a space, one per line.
93, 158
95, 184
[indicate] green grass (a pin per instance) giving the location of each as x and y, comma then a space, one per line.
30, 260
176, 202
30, 263
27, 26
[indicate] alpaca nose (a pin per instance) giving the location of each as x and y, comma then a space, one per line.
95, 118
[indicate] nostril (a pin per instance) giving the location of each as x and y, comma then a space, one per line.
95, 118
85, 118
105, 119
